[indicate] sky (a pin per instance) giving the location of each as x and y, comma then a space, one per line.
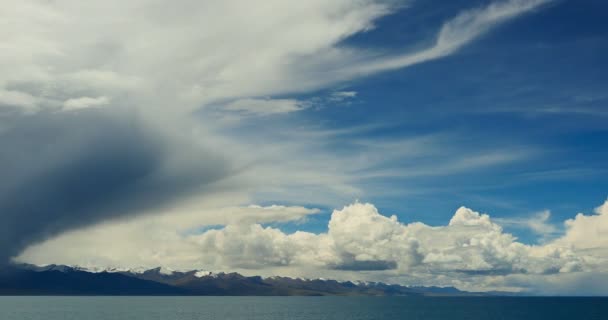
458, 143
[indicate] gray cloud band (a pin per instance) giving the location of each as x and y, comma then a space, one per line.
63, 171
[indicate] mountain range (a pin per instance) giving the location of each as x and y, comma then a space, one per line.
67, 280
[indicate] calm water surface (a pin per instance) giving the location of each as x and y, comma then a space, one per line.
271, 308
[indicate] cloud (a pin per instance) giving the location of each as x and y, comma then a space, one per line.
339, 96
538, 223
151, 67
62, 172
162, 57
362, 237
588, 232
196, 54
265, 106
85, 102
471, 251
11, 98
165, 238
453, 35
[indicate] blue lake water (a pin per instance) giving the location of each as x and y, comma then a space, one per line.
271, 308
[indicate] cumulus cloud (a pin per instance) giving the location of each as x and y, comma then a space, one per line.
364, 239
471, 251
588, 232
470, 247
165, 239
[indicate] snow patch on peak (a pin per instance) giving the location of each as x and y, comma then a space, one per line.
203, 273
166, 271
95, 269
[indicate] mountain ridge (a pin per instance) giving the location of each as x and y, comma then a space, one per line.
27, 279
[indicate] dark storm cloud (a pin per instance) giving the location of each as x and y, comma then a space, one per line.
60, 171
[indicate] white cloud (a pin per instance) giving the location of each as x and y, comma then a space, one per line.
181, 57
454, 34
339, 96
471, 251
165, 62
538, 223
197, 53
158, 239
242, 109
85, 102
588, 232
265, 106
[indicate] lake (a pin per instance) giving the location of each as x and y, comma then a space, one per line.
270, 308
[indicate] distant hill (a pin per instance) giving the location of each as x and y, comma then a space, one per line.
65, 280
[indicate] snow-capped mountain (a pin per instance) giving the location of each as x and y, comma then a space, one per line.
74, 280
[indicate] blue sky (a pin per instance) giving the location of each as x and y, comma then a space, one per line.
536, 84
454, 142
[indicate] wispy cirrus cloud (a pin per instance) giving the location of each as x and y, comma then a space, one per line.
453, 35
265, 106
